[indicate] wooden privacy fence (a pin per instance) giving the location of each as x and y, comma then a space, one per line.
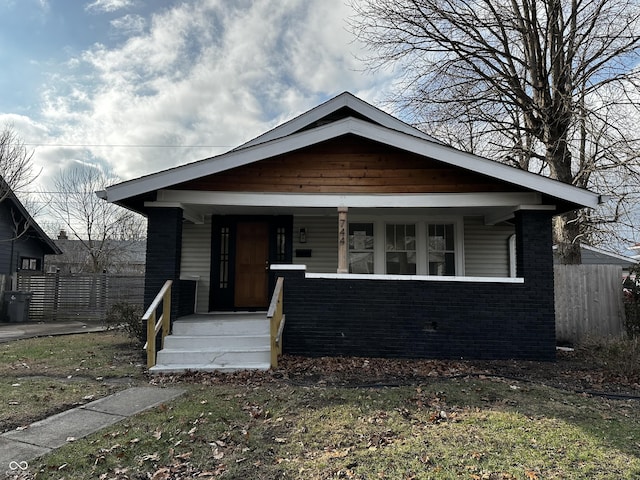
79, 297
589, 302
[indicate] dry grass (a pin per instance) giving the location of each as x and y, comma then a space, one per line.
42, 376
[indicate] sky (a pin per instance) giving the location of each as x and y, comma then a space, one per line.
137, 86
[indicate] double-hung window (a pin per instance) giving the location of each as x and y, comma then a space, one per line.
441, 249
401, 247
401, 251
361, 248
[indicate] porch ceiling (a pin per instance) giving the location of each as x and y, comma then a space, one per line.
494, 207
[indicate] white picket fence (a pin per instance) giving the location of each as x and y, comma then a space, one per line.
589, 302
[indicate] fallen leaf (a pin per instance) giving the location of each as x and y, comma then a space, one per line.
218, 454
153, 457
161, 474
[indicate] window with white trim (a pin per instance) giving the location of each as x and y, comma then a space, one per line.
441, 249
401, 250
406, 245
361, 248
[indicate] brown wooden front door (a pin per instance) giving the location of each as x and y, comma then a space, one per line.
252, 263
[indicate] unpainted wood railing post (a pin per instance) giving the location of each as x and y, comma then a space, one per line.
153, 326
151, 340
276, 319
166, 315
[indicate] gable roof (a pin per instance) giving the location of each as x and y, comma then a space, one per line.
49, 247
340, 116
340, 107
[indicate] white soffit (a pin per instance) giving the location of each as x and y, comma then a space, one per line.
363, 129
438, 200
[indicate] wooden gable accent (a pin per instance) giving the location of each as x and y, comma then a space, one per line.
348, 165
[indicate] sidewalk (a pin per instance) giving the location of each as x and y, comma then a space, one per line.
15, 331
19, 447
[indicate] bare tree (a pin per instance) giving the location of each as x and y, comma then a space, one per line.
16, 172
104, 230
543, 83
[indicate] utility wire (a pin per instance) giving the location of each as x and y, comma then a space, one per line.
115, 145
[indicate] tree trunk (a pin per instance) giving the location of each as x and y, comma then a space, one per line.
566, 235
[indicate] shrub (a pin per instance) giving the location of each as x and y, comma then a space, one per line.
129, 317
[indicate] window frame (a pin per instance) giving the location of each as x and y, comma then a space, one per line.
421, 223
34, 262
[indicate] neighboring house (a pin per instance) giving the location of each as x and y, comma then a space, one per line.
23, 244
598, 256
124, 257
391, 243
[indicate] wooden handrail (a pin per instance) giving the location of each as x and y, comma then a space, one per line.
164, 322
276, 319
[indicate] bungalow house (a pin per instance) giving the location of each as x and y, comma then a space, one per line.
390, 243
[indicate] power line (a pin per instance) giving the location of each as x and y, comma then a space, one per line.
115, 145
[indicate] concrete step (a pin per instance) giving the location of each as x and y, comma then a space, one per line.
215, 357
212, 342
198, 367
227, 325
216, 342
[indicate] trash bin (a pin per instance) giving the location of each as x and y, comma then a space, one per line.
16, 306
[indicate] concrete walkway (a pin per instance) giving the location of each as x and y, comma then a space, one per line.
19, 447
16, 331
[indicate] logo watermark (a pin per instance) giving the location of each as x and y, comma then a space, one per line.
13, 466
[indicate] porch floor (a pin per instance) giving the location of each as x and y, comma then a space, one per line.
216, 341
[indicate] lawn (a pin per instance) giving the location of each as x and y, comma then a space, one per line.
42, 376
360, 419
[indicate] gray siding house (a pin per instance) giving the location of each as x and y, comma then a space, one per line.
23, 244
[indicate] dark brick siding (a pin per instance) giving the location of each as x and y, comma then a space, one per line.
164, 249
416, 319
409, 319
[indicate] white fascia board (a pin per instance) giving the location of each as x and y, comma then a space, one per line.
431, 200
345, 99
474, 163
419, 146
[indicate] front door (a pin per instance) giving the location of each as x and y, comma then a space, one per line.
252, 265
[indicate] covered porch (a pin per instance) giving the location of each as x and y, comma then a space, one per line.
487, 292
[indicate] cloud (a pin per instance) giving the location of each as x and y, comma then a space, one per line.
129, 24
199, 79
108, 6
